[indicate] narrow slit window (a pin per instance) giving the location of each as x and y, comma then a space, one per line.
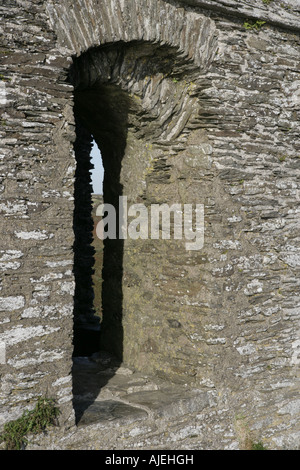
97, 172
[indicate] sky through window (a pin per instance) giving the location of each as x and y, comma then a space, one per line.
98, 171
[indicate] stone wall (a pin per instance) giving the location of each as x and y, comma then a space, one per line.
37, 174
189, 102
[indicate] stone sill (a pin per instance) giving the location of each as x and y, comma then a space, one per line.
105, 394
118, 408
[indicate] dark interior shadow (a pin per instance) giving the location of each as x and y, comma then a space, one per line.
101, 113
86, 325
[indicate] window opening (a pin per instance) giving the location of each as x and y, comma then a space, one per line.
101, 117
97, 172
86, 323
97, 175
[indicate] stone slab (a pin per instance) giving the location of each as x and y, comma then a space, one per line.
171, 402
109, 410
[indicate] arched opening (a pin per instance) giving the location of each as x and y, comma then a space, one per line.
88, 248
97, 174
127, 99
86, 324
101, 116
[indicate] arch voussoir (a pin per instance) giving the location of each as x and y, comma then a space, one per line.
113, 21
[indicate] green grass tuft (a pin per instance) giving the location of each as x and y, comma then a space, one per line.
258, 446
43, 415
254, 25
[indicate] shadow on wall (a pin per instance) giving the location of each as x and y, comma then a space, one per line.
101, 112
86, 326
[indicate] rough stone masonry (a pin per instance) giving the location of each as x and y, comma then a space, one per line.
192, 101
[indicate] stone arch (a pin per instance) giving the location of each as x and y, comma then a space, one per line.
141, 60
98, 23
224, 321
131, 97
